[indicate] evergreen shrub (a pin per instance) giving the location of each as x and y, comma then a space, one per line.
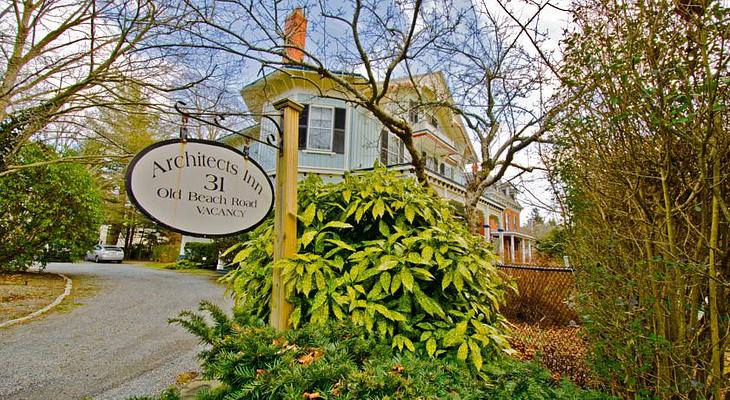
387, 254
337, 360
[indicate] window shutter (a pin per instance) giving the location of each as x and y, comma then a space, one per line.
338, 142
303, 120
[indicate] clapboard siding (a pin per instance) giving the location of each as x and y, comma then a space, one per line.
364, 139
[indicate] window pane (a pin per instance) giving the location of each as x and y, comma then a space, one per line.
320, 139
320, 128
394, 149
303, 121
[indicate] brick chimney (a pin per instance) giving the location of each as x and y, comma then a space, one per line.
295, 35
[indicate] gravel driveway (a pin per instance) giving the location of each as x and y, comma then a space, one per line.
118, 344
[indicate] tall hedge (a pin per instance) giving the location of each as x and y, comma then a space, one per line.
386, 253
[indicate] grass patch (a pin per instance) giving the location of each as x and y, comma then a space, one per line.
25, 292
166, 267
83, 286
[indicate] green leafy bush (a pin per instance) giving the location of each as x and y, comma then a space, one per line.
182, 264
167, 252
554, 243
383, 252
337, 361
46, 208
205, 255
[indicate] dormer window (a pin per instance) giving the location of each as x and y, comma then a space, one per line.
322, 128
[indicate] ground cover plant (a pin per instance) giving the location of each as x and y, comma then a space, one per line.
385, 253
339, 360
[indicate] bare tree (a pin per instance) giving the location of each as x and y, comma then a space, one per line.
500, 75
390, 44
644, 160
58, 58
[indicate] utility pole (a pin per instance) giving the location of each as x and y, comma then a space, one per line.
285, 207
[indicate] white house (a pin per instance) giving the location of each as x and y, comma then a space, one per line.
335, 137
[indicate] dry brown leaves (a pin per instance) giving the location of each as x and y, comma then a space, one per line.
305, 359
23, 293
310, 357
336, 389
559, 349
186, 377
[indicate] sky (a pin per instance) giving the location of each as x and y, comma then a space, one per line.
330, 40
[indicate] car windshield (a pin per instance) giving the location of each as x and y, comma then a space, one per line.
112, 248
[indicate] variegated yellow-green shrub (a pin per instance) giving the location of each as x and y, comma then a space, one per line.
382, 251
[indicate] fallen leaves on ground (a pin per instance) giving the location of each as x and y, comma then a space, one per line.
559, 348
23, 293
186, 377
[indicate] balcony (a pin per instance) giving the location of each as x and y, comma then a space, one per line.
428, 138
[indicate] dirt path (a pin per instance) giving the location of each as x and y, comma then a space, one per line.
117, 344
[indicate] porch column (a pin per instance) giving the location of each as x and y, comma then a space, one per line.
529, 252
512, 248
522, 250
501, 246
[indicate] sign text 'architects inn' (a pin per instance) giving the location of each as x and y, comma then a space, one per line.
199, 188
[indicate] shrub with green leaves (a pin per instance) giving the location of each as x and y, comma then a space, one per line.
384, 252
46, 206
205, 255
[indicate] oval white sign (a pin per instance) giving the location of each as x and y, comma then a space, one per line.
199, 188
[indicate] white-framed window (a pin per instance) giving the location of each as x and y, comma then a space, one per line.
391, 148
322, 128
448, 172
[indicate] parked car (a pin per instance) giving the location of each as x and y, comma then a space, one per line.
105, 253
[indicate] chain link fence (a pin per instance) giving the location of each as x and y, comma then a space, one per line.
544, 295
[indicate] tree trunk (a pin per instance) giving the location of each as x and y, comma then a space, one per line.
471, 200
128, 239
112, 237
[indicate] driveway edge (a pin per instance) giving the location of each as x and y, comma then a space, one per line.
57, 301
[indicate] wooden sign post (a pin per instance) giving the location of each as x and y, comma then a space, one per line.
285, 207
